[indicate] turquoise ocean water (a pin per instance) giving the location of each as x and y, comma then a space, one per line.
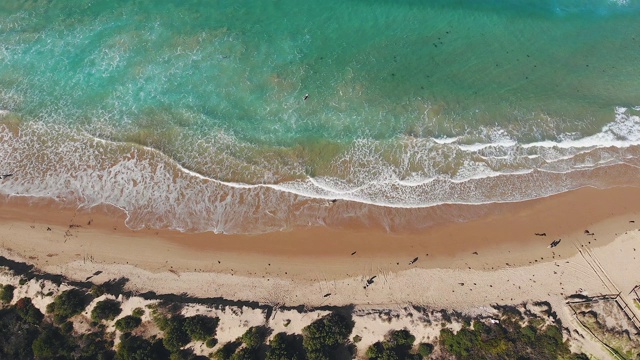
191, 114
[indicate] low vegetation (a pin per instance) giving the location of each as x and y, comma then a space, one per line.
26, 333
397, 345
106, 310
6, 293
327, 337
128, 323
69, 303
506, 339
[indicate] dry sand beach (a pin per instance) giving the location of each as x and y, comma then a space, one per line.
504, 258
494, 259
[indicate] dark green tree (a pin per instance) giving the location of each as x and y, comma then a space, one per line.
138, 348
51, 344
69, 303
285, 347
6, 294
324, 337
254, 336
16, 335
106, 309
425, 349
28, 312
175, 337
200, 327
128, 323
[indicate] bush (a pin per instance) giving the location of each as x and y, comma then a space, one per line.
200, 327
226, 351
211, 343
28, 312
397, 346
51, 344
95, 346
97, 290
6, 295
356, 339
106, 310
507, 339
254, 336
128, 323
425, 349
285, 347
67, 304
138, 348
16, 335
325, 336
175, 337
138, 312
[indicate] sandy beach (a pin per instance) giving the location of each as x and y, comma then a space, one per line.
496, 258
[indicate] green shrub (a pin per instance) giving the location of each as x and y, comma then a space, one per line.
254, 336
285, 347
138, 312
401, 338
67, 327
356, 339
51, 344
397, 345
128, 323
69, 303
138, 348
425, 349
245, 354
323, 337
175, 337
28, 312
106, 309
200, 327
22, 281
507, 339
16, 335
211, 343
186, 354
375, 350
97, 290
161, 320
226, 351
6, 295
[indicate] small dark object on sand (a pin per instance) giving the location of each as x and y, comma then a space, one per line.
541, 234
555, 243
632, 221
48, 228
586, 231
333, 201
327, 295
5, 176
353, 253
370, 280
475, 253
413, 261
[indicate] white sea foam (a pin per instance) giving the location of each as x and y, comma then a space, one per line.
156, 191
